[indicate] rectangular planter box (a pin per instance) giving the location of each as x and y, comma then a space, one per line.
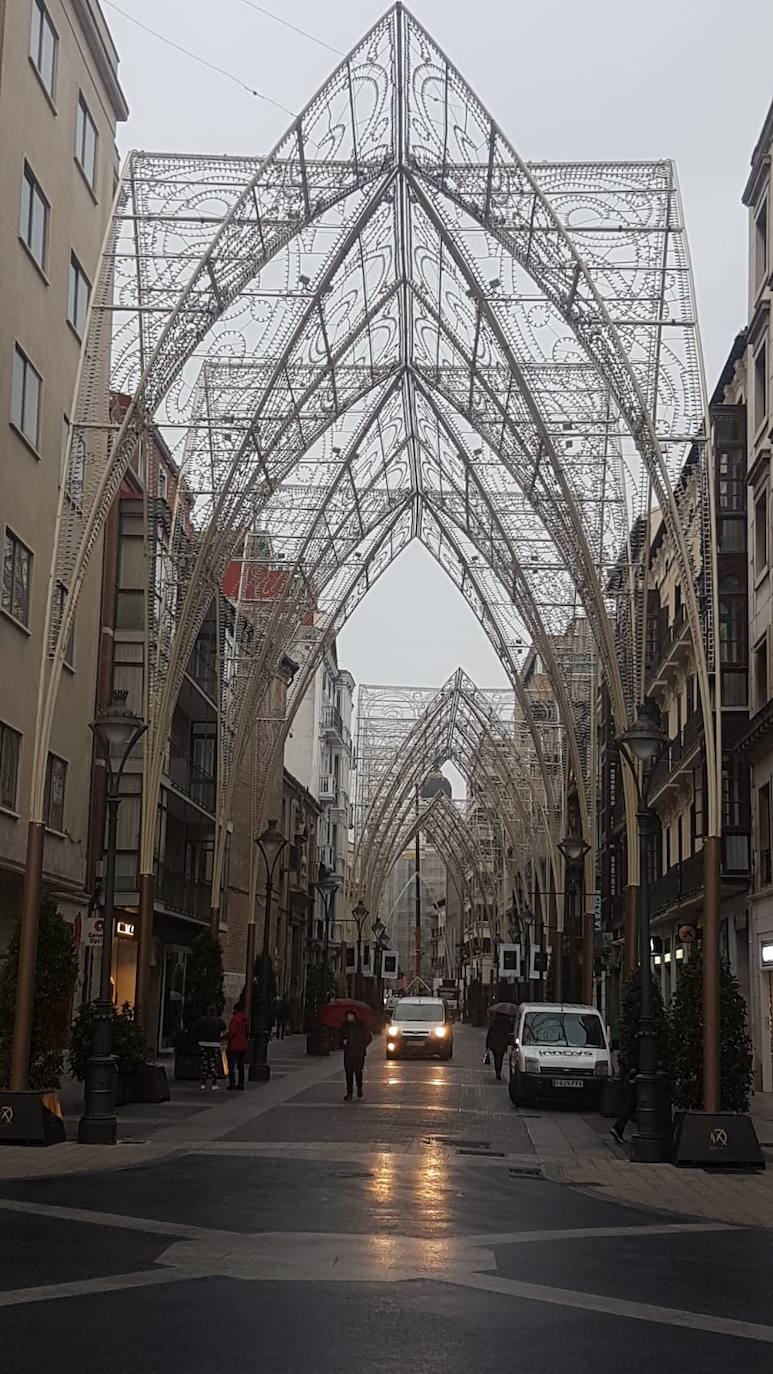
30, 1118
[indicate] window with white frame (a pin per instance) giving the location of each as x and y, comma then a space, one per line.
10, 742
760, 385
761, 244
33, 217
17, 576
162, 482
61, 597
53, 798
26, 385
761, 533
86, 141
76, 472
44, 43
78, 292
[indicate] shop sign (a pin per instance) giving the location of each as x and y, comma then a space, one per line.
766, 956
93, 930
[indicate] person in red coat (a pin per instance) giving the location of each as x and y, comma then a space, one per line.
238, 1040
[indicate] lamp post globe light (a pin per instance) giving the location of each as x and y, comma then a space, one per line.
327, 885
271, 843
574, 848
360, 914
640, 745
116, 732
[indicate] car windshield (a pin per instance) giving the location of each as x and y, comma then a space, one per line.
418, 1011
563, 1028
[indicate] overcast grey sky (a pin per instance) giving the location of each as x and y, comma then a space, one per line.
606, 79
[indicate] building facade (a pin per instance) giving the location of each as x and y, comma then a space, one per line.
758, 199
319, 754
60, 103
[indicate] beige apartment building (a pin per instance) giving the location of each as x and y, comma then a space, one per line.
60, 102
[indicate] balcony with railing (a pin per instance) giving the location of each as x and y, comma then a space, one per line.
328, 788
184, 895
189, 778
333, 725
670, 644
676, 754
684, 880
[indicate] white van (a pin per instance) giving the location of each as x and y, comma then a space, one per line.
560, 1051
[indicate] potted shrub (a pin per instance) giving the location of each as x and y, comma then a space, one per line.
685, 1040
37, 1112
128, 1048
320, 988
203, 988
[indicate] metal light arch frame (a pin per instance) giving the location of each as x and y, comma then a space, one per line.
174, 345
393, 800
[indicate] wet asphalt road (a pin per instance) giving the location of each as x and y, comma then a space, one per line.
281, 1244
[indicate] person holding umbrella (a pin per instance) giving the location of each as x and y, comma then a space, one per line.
498, 1035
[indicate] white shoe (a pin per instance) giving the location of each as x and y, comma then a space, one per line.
202, 1087
216, 1087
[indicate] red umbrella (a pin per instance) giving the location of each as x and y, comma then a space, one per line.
333, 1014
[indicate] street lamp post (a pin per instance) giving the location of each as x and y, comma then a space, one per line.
327, 885
642, 745
574, 848
271, 843
116, 731
379, 945
360, 914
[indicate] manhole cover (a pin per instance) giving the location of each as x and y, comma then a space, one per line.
483, 1154
456, 1142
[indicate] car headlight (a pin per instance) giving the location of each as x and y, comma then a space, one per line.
391, 1045
393, 1030
441, 1032
602, 1069
531, 1066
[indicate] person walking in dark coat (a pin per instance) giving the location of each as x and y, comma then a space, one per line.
497, 1039
355, 1038
629, 1108
238, 1040
209, 1031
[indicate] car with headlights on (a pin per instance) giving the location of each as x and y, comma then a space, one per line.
561, 1052
420, 1026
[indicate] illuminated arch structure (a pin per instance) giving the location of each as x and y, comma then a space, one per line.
391, 327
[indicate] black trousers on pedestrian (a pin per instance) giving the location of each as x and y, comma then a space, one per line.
236, 1063
629, 1109
353, 1071
498, 1056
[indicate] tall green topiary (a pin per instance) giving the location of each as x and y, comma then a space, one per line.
629, 1024
685, 1040
127, 1043
204, 979
56, 971
320, 988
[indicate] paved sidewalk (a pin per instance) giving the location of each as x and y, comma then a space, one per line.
151, 1131
579, 1151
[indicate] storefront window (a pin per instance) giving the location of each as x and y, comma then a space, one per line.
173, 994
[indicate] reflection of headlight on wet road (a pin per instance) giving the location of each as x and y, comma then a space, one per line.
441, 1032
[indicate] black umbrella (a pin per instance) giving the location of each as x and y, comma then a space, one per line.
504, 1009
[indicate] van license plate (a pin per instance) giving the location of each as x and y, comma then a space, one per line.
567, 1082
